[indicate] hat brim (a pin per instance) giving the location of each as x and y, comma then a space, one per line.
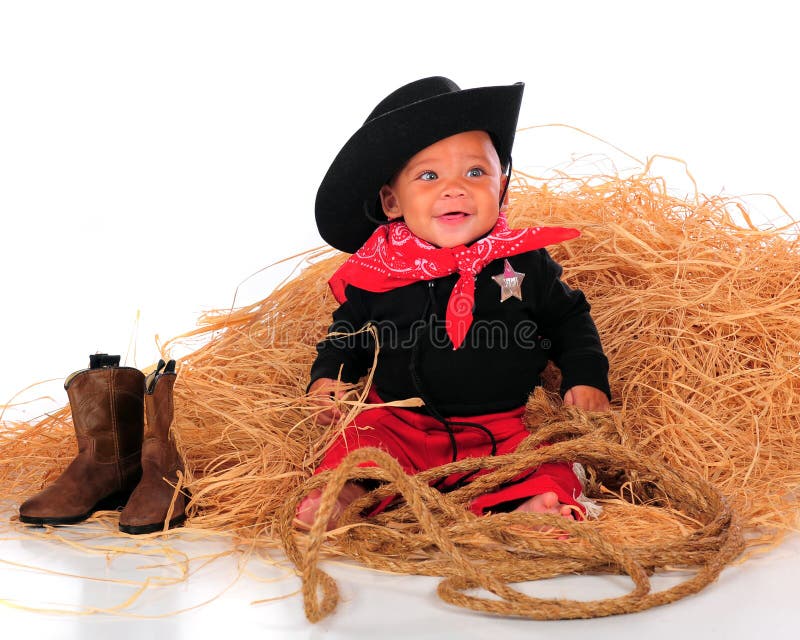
383, 145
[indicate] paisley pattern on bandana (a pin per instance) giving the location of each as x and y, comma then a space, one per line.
394, 257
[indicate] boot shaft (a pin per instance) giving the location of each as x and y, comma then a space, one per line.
107, 403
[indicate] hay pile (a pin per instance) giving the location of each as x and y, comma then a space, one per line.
700, 319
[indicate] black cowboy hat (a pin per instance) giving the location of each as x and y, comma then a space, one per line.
405, 122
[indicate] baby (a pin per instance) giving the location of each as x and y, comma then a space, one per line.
466, 311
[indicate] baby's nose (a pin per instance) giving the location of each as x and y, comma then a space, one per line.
453, 190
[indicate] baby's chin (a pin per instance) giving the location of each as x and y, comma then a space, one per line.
450, 243
458, 238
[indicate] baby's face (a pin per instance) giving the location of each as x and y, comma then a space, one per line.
448, 193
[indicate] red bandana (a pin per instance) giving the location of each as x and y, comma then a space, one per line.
394, 257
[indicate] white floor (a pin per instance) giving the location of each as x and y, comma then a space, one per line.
73, 571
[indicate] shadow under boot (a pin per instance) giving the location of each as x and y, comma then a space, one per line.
108, 416
151, 504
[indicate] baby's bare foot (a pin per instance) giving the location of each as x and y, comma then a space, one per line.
547, 503
308, 507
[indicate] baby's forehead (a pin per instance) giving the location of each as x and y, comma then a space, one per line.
474, 145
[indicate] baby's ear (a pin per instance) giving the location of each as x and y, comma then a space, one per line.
504, 204
391, 207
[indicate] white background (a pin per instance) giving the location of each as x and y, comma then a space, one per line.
153, 155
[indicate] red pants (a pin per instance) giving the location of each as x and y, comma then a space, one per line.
419, 442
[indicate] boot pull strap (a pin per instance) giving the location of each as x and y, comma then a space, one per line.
161, 369
150, 381
100, 360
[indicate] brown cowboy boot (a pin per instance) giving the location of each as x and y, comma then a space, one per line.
149, 506
108, 416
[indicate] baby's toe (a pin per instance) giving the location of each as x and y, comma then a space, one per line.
549, 501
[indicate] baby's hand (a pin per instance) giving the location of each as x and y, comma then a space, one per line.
586, 397
325, 392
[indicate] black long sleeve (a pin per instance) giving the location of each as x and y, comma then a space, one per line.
575, 343
503, 354
349, 356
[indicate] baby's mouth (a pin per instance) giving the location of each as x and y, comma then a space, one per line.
453, 215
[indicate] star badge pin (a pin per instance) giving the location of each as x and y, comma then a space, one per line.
510, 282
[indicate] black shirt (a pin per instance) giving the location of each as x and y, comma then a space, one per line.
502, 356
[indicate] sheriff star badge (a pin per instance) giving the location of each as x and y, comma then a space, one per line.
510, 282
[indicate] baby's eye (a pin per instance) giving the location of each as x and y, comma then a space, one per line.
428, 175
475, 172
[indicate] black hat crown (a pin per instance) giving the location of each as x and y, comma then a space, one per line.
413, 92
